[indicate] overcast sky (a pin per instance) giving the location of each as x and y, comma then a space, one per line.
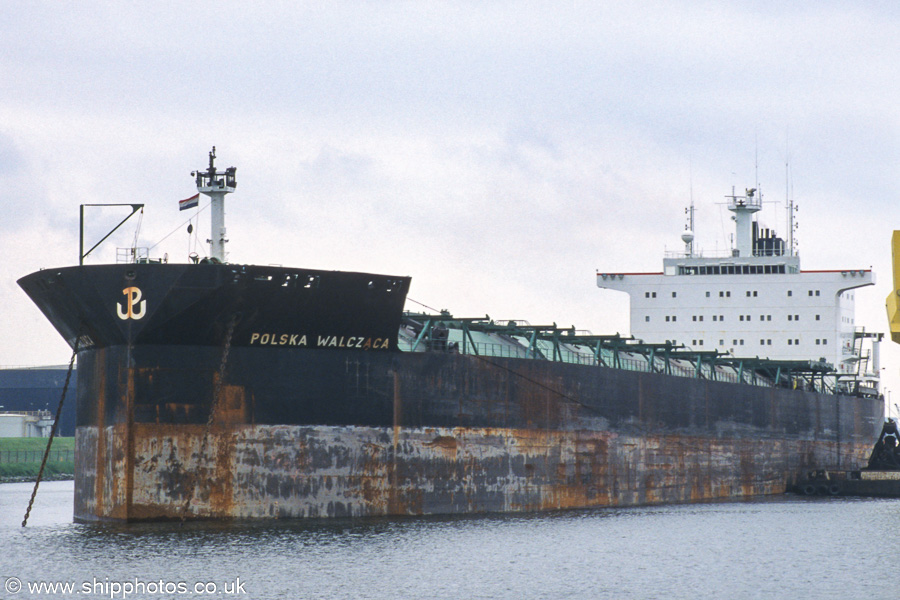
499, 153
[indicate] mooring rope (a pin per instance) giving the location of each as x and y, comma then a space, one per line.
52, 432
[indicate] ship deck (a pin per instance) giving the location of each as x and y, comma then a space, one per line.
484, 337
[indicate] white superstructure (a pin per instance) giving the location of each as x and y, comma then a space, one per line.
754, 302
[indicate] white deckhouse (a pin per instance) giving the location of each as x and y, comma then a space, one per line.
754, 302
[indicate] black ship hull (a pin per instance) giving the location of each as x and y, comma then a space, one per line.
347, 425
193, 305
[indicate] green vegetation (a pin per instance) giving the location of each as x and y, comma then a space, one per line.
29, 471
59, 443
20, 458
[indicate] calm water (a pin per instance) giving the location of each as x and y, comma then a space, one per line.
776, 548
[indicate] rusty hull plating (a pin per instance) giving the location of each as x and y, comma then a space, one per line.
349, 433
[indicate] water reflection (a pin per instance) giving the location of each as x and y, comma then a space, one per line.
776, 547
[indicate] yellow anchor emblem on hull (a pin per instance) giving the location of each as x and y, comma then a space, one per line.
133, 295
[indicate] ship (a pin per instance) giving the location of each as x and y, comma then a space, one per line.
215, 390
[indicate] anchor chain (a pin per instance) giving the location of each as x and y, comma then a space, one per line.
217, 393
52, 432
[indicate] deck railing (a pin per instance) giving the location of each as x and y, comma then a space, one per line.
34, 456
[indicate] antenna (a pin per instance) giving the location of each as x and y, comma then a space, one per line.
789, 201
791, 210
688, 236
756, 160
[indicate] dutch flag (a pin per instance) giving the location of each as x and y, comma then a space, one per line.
189, 202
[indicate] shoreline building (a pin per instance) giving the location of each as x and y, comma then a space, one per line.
31, 391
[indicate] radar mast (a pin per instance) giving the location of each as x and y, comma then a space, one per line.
215, 185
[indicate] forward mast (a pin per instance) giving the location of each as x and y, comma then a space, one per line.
216, 185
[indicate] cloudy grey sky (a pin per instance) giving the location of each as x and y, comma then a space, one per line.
498, 152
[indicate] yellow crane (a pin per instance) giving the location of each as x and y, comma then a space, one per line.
893, 300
